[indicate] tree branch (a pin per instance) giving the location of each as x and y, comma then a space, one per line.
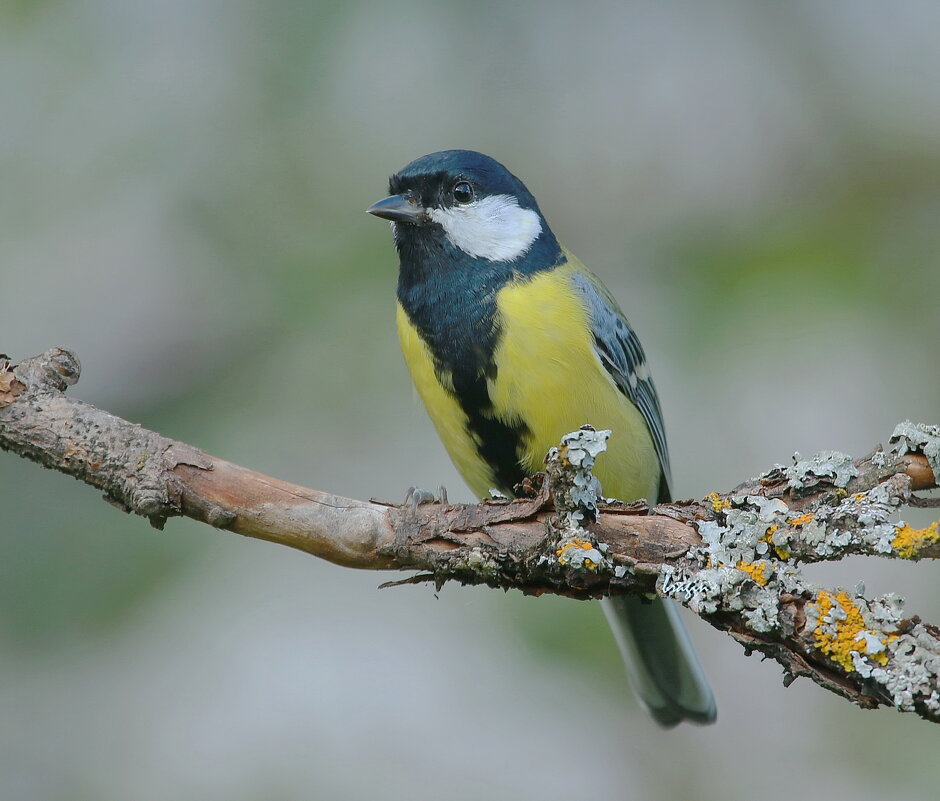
732, 558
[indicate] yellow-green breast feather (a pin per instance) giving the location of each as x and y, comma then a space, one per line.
549, 377
549, 374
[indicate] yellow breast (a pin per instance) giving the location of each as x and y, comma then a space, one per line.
548, 377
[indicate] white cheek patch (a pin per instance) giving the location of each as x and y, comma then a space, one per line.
494, 228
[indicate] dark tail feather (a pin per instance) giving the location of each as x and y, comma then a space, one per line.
661, 663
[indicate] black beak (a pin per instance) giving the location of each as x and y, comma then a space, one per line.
398, 208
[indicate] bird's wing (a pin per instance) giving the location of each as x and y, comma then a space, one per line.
620, 352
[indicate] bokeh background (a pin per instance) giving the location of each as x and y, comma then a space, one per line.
182, 187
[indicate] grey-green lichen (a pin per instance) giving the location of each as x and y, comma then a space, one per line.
833, 465
900, 660
863, 637
736, 573
858, 523
911, 675
919, 438
576, 496
741, 537
845, 523
727, 589
576, 492
747, 566
746, 559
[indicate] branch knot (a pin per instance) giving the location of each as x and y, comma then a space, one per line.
53, 371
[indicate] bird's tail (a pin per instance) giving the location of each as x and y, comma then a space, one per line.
661, 663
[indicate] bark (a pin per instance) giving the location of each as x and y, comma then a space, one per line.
733, 558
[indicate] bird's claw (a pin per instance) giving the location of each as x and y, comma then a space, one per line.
416, 496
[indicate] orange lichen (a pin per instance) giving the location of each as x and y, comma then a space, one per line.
758, 571
908, 541
583, 545
803, 519
782, 553
718, 503
841, 631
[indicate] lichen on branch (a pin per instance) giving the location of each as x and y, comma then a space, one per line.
734, 558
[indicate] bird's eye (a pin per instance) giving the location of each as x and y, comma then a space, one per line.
462, 192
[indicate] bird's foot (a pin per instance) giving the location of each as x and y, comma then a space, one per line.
416, 496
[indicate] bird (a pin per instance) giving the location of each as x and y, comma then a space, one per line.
511, 343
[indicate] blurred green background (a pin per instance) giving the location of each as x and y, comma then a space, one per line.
182, 187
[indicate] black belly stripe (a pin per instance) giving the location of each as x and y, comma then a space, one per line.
498, 443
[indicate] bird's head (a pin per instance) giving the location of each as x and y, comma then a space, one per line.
464, 200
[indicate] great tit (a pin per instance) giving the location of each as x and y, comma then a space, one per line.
512, 343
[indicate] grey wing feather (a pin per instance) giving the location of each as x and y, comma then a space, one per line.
661, 663
619, 350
